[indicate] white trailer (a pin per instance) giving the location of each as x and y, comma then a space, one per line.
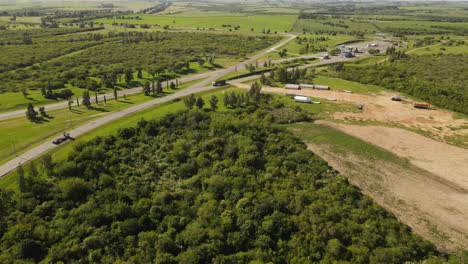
321, 87
302, 99
306, 86
292, 86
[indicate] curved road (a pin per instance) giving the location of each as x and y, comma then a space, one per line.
196, 88
199, 87
218, 74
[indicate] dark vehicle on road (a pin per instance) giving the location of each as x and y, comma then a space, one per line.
59, 140
219, 83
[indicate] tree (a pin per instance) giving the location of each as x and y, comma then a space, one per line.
27, 40
226, 100
200, 102
96, 100
172, 85
43, 91
115, 93
263, 79
33, 170
200, 61
139, 73
128, 75
24, 92
31, 114
254, 91
189, 101
339, 67
47, 164
213, 103
70, 104
86, 99
159, 87
147, 88
42, 111
21, 178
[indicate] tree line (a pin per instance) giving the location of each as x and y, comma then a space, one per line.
438, 79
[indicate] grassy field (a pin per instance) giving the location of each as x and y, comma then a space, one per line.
11, 101
340, 84
21, 134
157, 111
442, 49
278, 23
341, 142
333, 24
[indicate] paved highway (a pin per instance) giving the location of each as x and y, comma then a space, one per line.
213, 74
202, 86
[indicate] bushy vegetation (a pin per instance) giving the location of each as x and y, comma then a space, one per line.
440, 80
197, 187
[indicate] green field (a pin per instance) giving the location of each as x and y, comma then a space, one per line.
28, 134
333, 25
276, 23
62, 151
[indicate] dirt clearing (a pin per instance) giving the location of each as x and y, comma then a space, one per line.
434, 206
436, 123
450, 163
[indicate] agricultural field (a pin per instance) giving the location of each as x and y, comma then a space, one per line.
225, 22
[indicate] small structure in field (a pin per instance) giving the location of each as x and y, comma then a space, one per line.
396, 98
360, 106
292, 86
347, 91
321, 87
313, 86
422, 106
302, 99
306, 86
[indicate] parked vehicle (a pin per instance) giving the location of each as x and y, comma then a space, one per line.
422, 106
302, 99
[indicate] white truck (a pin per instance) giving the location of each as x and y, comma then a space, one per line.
302, 99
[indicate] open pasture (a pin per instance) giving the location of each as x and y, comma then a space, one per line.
222, 21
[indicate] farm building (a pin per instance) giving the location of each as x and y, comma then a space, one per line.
321, 87
306, 86
292, 86
302, 99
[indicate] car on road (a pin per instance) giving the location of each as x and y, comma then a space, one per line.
59, 140
219, 83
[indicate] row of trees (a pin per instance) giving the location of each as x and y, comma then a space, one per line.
284, 75
108, 58
440, 80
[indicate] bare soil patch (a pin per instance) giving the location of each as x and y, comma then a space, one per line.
448, 162
434, 209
